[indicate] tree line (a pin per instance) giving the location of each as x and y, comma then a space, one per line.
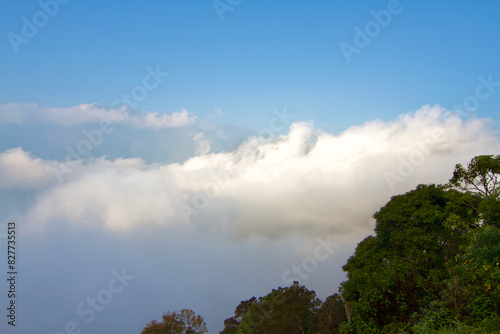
432, 266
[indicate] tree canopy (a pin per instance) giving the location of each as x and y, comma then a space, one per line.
433, 262
183, 322
285, 310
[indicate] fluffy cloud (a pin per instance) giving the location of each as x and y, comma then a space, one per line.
20, 169
307, 181
154, 120
24, 113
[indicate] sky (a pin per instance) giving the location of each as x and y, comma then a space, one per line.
161, 155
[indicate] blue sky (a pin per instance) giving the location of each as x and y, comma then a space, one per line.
263, 142
261, 56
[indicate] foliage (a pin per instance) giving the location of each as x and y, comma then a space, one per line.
231, 324
433, 263
284, 310
480, 186
331, 315
480, 177
391, 275
183, 322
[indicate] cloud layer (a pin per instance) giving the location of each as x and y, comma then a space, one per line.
209, 228
20, 169
306, 181
25, 113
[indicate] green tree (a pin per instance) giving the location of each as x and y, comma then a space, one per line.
479, 178
470, 298
331, 315
434, 261
183, 322
231, 324
479, 185
478, 273
283, 311
394, 274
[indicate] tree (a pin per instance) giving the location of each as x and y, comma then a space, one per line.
396, 272
434, 261
480, 177
479, 186
183, 322
231, 324
471, 296
412, 227
331, 315
283, 311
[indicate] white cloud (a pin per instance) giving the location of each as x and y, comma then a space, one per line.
20, 169
84, 113
24, 113
176, 120
308, 181
202, 143
121, 194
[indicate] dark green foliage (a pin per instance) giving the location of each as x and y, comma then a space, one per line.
284, 310
182, 322
480, 177
433, 264
231, 324
480, 186
290, 310
331, 315
397, 271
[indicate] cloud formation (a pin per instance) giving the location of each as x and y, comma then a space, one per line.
307, 181
25, 113
20, 169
